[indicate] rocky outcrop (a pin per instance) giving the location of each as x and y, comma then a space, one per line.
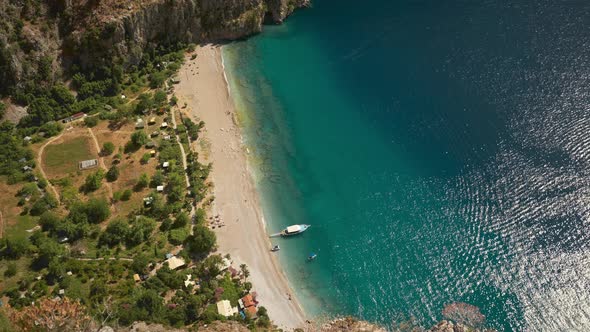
449, 326
278, 10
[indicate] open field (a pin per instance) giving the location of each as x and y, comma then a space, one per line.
62, 156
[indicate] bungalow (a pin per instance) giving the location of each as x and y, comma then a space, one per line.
164, 125
86, 164
166, 164
224, 308
152, 121
175, 262
160, 189
247, 305
27, 138
155, 133
153, 153
139, 124
27, 168
150, 144
73, 117
166, 137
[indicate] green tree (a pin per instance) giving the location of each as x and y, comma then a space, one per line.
160, 98
142, 182
108, 148
145, 158
141, 230
49, 221
140, 263
90, 121
10, 270
16, 247
94, 181
157, 179
182, 219
49, 249
157, 79
201, 242
113, 173
126, 195
43, 204
115, 233
138, 138
177, 236
97, 210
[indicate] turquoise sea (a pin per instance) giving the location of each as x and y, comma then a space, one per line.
439, 149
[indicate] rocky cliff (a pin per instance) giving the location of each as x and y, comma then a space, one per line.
88, 31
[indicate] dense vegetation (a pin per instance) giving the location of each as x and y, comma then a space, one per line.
65, 257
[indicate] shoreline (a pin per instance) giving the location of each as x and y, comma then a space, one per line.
205, 88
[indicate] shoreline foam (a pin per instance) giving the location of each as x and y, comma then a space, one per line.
205, 88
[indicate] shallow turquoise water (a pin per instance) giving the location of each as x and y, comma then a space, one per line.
439, 150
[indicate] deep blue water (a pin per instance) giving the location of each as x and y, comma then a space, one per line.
440, 150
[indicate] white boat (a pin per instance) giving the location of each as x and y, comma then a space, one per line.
294, 230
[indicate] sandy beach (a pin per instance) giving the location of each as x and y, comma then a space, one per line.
204, 89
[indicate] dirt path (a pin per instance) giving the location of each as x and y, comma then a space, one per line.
40, 164
188, 183
101, 161
104, 259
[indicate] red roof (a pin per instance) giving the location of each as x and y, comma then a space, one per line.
77, 115
249, 301
251, 311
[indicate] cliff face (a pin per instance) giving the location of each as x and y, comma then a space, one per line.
188, 21
91, 31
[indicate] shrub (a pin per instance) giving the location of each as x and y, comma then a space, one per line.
142, 182
108, 148
90, 121
126, 195
113, 174
94, 181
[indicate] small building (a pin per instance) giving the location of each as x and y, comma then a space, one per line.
63, 239
166, 164
27, 138
61, 291
175, 262
27, 169
160, 189
136, 278
73, 117
248, 301
151, 144
152, 121
164, 125
139, 124
224, 308
166, 137
189, 281
153, 153
87, 164
169, 255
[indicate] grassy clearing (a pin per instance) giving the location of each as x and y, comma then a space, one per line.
63, 158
